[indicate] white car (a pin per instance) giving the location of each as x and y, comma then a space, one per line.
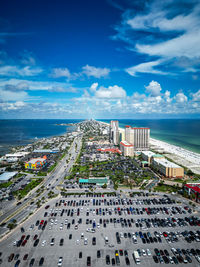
60, 261
144, 252
148, 252
85, 241
44, 243
82, 235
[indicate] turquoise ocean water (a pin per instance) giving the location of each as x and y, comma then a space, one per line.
182, 132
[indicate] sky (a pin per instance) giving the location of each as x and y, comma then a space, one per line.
98, 59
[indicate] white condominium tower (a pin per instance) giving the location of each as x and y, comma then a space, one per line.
138, 137
114, 132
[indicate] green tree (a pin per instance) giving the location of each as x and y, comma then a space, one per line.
104, 186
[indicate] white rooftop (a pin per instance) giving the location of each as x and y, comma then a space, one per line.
17, 155
126, 143
167, 163
148, 153
7, 175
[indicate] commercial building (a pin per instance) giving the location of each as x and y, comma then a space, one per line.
47, 151
7, 176
36, 164
193, 188
126, 148
138, 137
94, 181
114, 132
167, 168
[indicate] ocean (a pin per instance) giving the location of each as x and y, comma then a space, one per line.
22, 132
181, 132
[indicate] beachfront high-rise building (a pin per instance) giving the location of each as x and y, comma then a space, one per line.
114, 132
138, 137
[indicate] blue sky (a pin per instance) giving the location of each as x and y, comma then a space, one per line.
100, 59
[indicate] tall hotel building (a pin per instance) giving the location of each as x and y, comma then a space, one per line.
114, 132
138, 137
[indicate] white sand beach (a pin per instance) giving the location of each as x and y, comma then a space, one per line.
182, 156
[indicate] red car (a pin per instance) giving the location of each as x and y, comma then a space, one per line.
24, 243
165, 234
23, 236
25, 257
35, 237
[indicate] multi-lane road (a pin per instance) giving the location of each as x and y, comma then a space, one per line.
21, 211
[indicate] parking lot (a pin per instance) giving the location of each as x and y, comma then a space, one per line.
62, 233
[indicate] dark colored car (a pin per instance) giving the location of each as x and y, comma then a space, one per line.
10, 258
80, 255
88, 261
98, 254
41, 261
107, 259
31, 262
94, 241
17, 263
127, 260
155, 259
36, 243
61, 242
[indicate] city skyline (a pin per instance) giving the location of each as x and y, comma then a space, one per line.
99, 59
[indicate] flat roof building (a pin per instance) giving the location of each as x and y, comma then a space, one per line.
138, 136
127, 148
36, 163
7, 176
94, 181
193, 189
167, 168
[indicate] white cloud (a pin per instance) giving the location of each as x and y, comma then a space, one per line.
180, 98
93, 87
61, 72
92, 71
154, 88
19, 84
28, 59
18, 71
61, 89
111, 92
196, 96
184, 45
147, 67
12, 96
165, 29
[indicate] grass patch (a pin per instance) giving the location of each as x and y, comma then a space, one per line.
165, 188
5, 185
22, 193
178, 180
19, 175
41, 174
52, 167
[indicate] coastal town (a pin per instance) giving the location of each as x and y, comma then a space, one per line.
98, 164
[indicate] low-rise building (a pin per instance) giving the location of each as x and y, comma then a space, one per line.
7, 176
193, 188
36, 163
167, 168
112, 150
94, 181
126, 148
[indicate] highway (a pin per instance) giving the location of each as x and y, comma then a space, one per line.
56, 177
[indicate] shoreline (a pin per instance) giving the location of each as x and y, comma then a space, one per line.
181, 156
